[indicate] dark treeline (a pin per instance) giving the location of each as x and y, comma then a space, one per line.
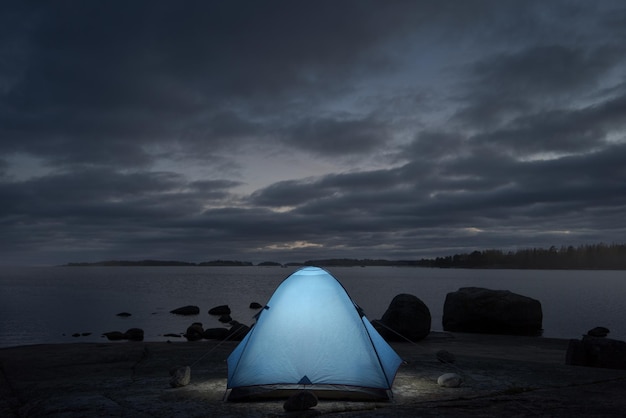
596, 256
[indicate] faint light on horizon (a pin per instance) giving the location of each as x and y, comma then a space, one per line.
291, 245
282, 209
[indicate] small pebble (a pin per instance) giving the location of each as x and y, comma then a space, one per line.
300, 401
450, 380
180, 376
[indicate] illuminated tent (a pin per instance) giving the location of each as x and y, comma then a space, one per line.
312, 336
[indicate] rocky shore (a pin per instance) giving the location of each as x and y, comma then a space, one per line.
502, 376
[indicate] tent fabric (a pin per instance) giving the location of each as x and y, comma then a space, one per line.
311, 335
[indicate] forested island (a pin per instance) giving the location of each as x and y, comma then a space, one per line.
586, 257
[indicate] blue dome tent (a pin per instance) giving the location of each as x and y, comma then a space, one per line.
312, 336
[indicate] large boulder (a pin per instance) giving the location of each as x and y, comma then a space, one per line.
407, 317
596, 352
475, 309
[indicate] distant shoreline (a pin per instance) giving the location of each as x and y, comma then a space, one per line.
587, 257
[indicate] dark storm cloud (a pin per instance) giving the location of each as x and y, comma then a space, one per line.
433, 145
158, 71
103, 196
541, 77
571, 130
500, 188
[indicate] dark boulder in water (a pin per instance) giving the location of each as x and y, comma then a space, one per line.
114, 335
186, 310
479, 310
225, 319
194, 332
220, 310
215, 333
598, 332
134, 334
255, 305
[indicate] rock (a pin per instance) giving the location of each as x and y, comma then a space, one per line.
596, 352
220, 310
134, 334
225, 319
114, 335
194, 332
300, 401
255, 305
85, 334
215, 333
123, 314
172, 335
475, 309
598, 332
406, 315
76, 334
180, 376
237, 331
186, 310
445, 356
450, 380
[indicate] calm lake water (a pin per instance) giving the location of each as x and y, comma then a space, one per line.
49, 304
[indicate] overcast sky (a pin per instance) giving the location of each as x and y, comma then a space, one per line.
294, 130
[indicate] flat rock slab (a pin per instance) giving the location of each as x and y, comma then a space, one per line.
502, 376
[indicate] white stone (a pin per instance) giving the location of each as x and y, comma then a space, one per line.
450, 380
180, 377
